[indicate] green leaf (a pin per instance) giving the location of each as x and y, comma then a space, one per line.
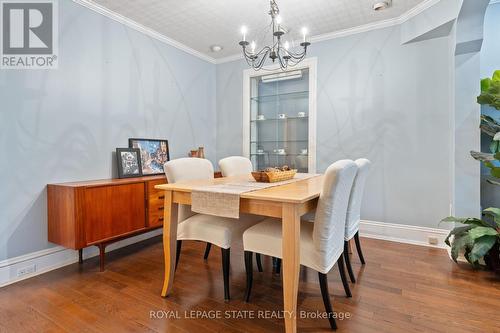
495, 172
492, 181
460, 243
488, 164
482, 156
478, 232
494, 146
489, 125
494, 213
481, 247
490, 91
466, 220
496, 76
485, 84
457, 232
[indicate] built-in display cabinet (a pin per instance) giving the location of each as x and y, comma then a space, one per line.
279, 117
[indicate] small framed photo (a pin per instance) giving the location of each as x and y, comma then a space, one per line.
129, 162
154, 154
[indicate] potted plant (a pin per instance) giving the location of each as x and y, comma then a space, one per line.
479, 239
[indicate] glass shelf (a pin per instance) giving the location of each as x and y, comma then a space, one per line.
281, 119
276, 154
278, 141
290, 95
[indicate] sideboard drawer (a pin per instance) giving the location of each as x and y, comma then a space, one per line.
155, 203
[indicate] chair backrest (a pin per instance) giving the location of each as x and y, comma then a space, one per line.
235, 165
358, 189
329, 223
188, 168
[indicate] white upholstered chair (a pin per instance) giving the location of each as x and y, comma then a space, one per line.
219, 231
321, 242
354, 213
235, 166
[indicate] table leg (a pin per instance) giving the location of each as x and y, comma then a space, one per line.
291, 264
169, 241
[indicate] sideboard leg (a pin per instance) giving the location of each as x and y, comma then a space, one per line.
80, 256
102, 255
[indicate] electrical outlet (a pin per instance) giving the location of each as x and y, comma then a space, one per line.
26, 270
433, 240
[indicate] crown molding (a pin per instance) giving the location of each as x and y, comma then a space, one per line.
145, 30
318, 38
417, 10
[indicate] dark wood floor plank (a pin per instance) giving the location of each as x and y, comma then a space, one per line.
401, 288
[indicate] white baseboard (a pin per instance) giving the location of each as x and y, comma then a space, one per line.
56, 257
49, 259
401, 233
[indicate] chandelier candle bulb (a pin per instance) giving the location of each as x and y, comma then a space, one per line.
244, 32
278, 51
304, 33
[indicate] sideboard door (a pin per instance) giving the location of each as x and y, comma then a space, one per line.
111, 211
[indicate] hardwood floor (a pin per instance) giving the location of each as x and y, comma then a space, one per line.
401, 288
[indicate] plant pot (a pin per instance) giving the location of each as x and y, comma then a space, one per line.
492, 259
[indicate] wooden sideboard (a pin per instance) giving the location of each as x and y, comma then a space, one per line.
100, 212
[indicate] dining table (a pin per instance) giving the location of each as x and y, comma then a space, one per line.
287, 202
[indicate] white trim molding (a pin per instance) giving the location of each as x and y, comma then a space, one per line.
141, 28
402, 233
56, 257
331, 35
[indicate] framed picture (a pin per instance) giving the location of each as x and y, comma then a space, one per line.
154, 153
129, 162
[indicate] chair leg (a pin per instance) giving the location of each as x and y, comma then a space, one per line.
178, 253
323, 284
277, 268
348, 261
226, 255
340, 262
358, 247
207, 251
249, 270
259, 262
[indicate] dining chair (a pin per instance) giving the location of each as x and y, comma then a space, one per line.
354, 213
321, 242
220, 231
237, 166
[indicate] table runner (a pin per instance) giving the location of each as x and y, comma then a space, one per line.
224, 199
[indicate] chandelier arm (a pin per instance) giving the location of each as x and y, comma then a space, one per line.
275, 49
261, 62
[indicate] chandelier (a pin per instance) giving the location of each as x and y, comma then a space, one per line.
278, 50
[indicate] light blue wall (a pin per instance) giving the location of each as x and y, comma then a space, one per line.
377, 99
490, 52
63, 125
490, 61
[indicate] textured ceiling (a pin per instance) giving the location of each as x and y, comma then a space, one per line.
199, 24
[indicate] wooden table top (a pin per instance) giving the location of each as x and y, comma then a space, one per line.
296, 192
